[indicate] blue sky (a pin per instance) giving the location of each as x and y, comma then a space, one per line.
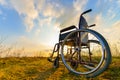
35, 24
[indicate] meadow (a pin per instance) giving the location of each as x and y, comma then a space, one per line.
38, 68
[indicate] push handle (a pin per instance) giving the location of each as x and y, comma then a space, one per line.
86, 11
92, 25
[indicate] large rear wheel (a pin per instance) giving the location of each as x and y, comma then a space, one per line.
87, 57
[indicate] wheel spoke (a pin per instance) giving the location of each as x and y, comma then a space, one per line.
84, 58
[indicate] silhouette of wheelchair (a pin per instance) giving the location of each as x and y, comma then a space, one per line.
82, 50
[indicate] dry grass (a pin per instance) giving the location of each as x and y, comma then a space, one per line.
36, 68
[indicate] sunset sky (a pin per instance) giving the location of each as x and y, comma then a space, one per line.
35, 24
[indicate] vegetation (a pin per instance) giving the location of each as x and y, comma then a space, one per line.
38, 68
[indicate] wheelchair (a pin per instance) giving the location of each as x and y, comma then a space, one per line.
83, 51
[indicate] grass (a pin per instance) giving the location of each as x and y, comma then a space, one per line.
36, 68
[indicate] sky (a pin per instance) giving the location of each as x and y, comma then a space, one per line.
35, 24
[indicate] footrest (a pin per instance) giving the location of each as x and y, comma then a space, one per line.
49, 59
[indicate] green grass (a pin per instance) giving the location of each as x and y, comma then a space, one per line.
36, 68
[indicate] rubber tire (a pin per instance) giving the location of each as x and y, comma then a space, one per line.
107, 59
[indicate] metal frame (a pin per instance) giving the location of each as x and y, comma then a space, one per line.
70, 31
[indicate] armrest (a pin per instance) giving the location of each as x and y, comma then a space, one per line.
68, 28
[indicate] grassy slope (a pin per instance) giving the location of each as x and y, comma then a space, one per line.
41, 69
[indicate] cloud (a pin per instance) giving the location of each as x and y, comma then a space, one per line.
116, 24
111, 33
23, 8
40, 4
111, 14
3, 2
27, 9
49, 11
37, 32
55, 13
48, 8
79, 4
31, 10
29, 23
1, 12
3, 16
70, 15
118, 1
98, 19
44, 21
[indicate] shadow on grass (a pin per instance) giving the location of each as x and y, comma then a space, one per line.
45, 74
113, 73
70, 75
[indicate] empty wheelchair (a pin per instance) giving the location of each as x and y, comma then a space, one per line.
82, 50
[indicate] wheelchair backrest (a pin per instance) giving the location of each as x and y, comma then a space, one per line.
82, 23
